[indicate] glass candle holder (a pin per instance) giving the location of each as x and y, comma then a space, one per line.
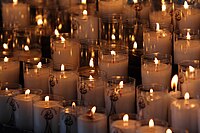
63, 81
186, 46
65, 50
150, 96
156, 66
46, 113
70, 114
120, 90
124, 122
189, 73
36, 74
8, 90
113, 59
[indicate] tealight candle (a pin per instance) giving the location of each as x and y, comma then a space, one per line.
92, 122
24, 110
184, 113
174, 86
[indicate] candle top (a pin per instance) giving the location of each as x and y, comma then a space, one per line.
130, 124
77, 111
117, 58
181, 44
23, 97
97, 117
154, 129
186, 104
152, 67
47, 104
6, 92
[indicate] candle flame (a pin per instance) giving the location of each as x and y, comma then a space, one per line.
151, 91
39, 19
135, 1
84, 2
6, 89
62, 39
191, 69
135, 45
186, 6
125, 118
56, 32
113, 53
91, 63
5, 59
187, 96
5, 46
39, 65
156, 61
151, 123
62, 67
168, 131
15, 2
26, 48
91, 78
27, 92
46, 99
93, 110
188, 36
113, 37
157, 26
60, 26
73, 105
164, 7
174, 82
121, 84
85, 12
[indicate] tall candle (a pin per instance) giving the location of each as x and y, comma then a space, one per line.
92, 122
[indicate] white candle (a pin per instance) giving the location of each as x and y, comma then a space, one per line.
156, 73
16, 13
66, 49
92, 123
184, 114
37, 78
114, 64
125, 94
126, 125
157, 41
9, 71
46, 116
87, 26
64, 83
151, 128
24, 111
68, 117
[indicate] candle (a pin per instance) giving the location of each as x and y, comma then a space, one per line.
68, 117
67, 3
114, 64
64, 83
46, 115
184, 114
9, 70
188, 15
151, 128
24, 110
174, 86
126, 125
117, 96
66, 48
16, 13
86, 26
157, 41
186, 49
151, 72
92, 122
37, 78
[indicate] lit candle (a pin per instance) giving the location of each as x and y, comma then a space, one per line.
46, 115
174, 86
24, 110
92, 122
184, 113
64, 83
126, 125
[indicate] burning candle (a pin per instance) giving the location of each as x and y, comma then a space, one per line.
184, 113
92, 122
24, 110
174, 86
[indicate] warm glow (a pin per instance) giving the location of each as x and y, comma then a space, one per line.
174, 82
164, 7
62, 67
85, 12
186, 6
121, 84
151, 91
27, 92
91, 63
73, 105
62, 39
56, 32
83, 1
168, 131
157, 26
125, 118
191, 69
188, 37
46, 99
93, 110
156, 61
39, 65
135, 1
5, 46
187, 96
6, 89
113, 53
39, 19
151, 123
113, 37
26, 48
15, 2
60, 26
91, 78
135, 45
5, 59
